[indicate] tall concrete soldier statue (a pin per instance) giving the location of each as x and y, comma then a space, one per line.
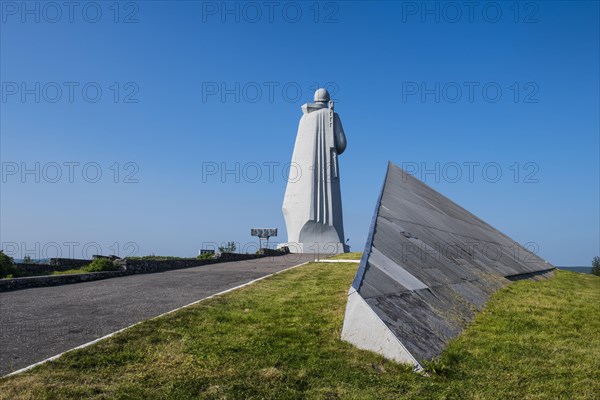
312, 206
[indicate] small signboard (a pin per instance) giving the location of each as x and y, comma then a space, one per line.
263, 233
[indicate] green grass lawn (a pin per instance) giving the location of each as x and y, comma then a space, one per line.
279, 338
356, 255
70, 272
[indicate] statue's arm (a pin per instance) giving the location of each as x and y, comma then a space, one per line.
339, 136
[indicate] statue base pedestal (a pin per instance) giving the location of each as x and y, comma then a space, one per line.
318, 249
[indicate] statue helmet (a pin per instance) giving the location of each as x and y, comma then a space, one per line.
321, 96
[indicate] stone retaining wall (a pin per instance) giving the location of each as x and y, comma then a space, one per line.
141, 265
126, 267
56, 264
63, 264
33, 268
54, 280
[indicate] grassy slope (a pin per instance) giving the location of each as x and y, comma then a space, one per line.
356, 255
70, 272
280, 339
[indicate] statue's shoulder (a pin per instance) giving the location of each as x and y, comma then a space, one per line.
313, 107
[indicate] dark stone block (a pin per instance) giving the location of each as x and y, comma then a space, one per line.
425, 237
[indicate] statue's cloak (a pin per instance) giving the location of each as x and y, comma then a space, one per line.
312, 206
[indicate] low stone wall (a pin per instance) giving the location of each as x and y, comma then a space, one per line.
56, 264
270, 252
55, 280
126, 267
140, 266
37, 269
63, 264
241, 257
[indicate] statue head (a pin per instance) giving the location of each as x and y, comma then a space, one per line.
321, 96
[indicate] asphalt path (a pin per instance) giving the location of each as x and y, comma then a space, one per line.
39, 323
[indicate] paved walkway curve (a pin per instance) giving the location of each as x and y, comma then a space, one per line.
39, 323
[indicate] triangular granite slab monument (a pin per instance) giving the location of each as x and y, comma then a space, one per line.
429, 265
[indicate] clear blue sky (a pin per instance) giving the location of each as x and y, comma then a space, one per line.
386, 63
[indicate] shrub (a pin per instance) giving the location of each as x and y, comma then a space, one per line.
596, 266
101, 264
229, 248
205, 256
7, 265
